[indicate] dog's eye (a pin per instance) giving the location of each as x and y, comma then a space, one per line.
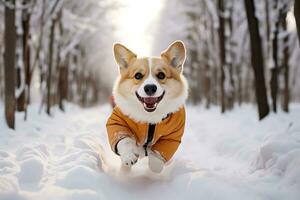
138, 76
161, 75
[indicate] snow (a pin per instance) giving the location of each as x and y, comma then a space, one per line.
230, 156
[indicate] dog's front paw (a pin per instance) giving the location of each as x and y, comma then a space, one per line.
156, 162
128, 151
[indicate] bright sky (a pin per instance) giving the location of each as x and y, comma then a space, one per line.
136, 23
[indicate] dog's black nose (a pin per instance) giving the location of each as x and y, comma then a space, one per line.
150, 89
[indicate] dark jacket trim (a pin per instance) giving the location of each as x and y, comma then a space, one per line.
151, 130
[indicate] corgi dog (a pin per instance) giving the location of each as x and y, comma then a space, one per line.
149, 116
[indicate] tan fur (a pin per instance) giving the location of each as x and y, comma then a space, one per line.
123, 55
175, 55
172, 76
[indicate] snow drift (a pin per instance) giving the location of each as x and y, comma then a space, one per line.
230, 156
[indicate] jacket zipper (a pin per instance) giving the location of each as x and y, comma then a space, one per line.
151, 130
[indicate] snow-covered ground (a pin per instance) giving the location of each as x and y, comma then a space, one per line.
231, 156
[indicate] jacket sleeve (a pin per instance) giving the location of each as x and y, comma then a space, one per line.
117, 129
167, 145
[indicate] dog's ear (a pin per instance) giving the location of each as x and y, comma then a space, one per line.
123, 55
175, 55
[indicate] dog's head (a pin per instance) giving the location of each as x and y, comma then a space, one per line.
150, 88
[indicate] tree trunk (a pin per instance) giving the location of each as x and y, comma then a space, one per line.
1, 74
26, 56
9, 62
267, 22
20, 72
215, 92
239, 86
231, 95
206, 69
193, 86
207, 86
268, 29
62, 70
40, 41
297, 16
63, 85
23, 99
50, 62
274, 70
286, 92
257, 60
248, 85
222, 51
274, 86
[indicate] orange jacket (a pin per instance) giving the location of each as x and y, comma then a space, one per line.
166, 134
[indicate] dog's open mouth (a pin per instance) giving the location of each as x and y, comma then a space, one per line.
150, 103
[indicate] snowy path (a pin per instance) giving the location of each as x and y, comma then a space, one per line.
221, 157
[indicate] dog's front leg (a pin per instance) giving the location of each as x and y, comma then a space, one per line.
128, 151
156, 162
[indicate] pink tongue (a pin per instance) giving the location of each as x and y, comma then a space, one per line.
150, 100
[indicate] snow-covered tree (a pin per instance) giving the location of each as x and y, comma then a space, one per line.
218, 41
